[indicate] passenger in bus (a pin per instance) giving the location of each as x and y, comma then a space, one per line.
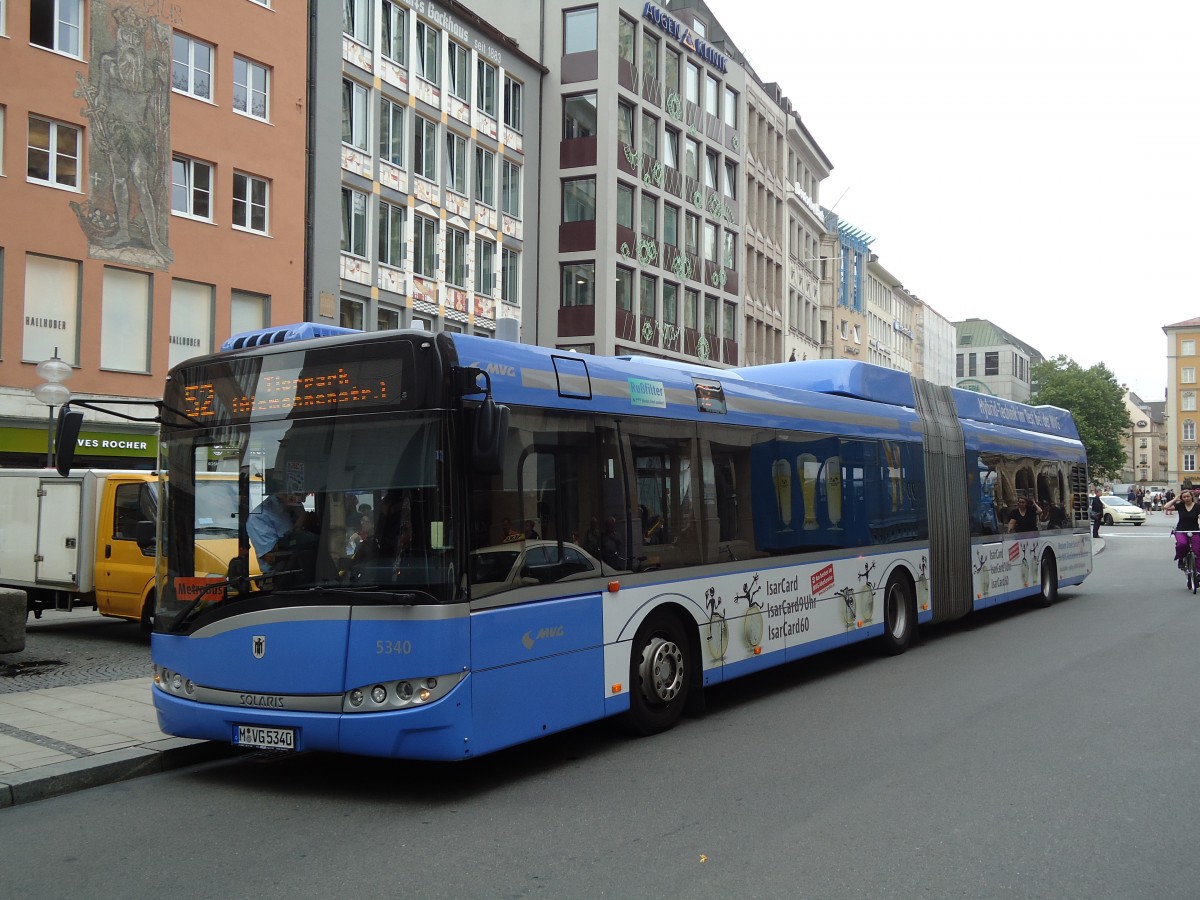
362, 544
593, 539
531, 533
610, 548
296, 553
509, 534
655, 532
1024, 517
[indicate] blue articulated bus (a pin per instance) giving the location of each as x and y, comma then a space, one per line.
448, 545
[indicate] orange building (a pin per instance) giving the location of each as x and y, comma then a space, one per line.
152, 198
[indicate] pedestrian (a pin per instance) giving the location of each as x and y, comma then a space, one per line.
1097, 513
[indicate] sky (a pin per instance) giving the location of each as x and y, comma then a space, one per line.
1032, 162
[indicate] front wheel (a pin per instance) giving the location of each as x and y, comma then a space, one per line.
147, 620
659, 674
1108, 520
899, 615
1049, 582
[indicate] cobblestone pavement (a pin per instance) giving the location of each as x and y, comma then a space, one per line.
64, 649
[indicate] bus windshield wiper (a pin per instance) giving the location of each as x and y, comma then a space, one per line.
201, 597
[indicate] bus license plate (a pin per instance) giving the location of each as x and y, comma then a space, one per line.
264, 738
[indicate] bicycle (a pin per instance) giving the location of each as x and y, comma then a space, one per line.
1189, 561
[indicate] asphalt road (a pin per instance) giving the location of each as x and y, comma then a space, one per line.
1023, 753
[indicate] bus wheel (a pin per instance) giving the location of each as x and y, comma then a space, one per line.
1049, 592
147, 620
899, 615
658, 675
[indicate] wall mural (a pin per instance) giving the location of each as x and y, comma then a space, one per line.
127, 96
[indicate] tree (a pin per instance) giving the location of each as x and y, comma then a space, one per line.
1097, 402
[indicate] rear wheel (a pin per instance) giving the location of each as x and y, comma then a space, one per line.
659, 674
899, 615
1049, 581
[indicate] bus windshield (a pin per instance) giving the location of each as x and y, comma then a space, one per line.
323, 506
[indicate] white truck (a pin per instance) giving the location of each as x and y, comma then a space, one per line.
74, 540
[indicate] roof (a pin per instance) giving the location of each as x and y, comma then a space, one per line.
1187, 323
982, 333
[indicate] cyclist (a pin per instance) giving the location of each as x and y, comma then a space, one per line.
1187, 528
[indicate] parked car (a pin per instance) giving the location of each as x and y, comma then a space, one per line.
1118, 510
505, 566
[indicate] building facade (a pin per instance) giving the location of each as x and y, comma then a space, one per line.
152, 173
423, 186
1146, 452
1181, 415
934, 343
992, 361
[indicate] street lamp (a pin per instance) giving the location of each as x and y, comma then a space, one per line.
53, 393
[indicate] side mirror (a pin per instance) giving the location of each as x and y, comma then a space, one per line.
66, 433
143, 533
488, 437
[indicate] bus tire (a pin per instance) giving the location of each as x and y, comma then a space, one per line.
1048, 592
659, 674
899, 615
146, 623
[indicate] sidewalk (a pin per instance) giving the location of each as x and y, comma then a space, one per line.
62, 739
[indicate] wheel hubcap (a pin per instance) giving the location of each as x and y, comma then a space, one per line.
661, 670
897, 612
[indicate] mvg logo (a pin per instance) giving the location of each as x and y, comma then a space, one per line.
496, 370
528, 639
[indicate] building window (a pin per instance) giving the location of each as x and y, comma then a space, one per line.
670, 225
250, 196
510, 286
425, 148
510, 190
1187, 401
54, 24
1187, 375
391, 132
729, 256
356, 20
1187, 348
248, 311
691, 159
731, 109
579, 284
386, 318
671, 71
649, 216
670, 303
485, 177
710, 242
730, 183
456, 257
191, 325
625, 206
579, 30
125, 321
191, 188
485, 265
626, 38
53, 156
51, 299
691, 234
691, 309
649, 296
391, 234
649, 55
991, 363
458, 69
425, 235
692, 83
354, 114
671, 149
579, 116
624, 289
710, 315
395, 33
625, 123
1, 105
1189, 462
711, 166
514, 114
251, 86
712, 96
579, 200
191, 66
456, 163
729, 326
972, 368
354, 222
351, 314
485, 88
428, 42
650, 136
1189, 430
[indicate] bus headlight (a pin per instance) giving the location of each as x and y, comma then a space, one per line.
378, 693
396, 695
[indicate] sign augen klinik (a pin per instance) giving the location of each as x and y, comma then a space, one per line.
683, 34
